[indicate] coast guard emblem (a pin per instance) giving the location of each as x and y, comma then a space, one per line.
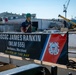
53, 48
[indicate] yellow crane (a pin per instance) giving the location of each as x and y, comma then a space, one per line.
73, 23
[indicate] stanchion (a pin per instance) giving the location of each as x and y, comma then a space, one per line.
70, 73
10, 59
41, 62
54, 70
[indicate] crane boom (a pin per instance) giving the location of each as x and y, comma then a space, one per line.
68, 4
73, 23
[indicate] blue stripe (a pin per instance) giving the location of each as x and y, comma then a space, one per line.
44, 46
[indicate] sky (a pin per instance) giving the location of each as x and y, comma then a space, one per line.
46, 9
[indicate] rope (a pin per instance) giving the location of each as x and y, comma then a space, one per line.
71, 64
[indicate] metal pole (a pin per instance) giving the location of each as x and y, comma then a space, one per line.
68, 45
41, 24
54, 70
66, 14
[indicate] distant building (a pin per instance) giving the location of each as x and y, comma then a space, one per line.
10, 16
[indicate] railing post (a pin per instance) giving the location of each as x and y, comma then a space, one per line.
54, 70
